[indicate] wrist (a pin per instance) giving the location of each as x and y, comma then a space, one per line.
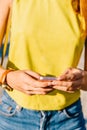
3, 80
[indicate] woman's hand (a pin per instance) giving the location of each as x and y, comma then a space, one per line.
72, 80
28, 82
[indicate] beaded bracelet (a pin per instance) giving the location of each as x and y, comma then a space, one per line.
3, 80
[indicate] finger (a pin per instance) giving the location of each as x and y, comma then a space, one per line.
62, 83
42, 84
40, 89
70, 85
43, 89
62, 88
29, 87
72, 74
77, 73
63, 76
73, 89
65, 89
32, 74
76, 85
31, 92
68, 77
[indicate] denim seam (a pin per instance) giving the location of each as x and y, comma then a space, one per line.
17, 109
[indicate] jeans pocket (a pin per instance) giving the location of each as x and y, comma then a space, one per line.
8, 107
73, 110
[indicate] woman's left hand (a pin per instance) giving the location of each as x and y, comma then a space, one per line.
72, 80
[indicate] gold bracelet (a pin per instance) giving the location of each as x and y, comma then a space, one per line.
3, 80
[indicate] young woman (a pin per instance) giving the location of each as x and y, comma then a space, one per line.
47, 38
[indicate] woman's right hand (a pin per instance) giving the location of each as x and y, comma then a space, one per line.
28, 82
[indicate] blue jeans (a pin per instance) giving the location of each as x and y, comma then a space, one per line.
14, 117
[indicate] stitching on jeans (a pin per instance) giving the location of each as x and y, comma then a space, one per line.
70, 116
17, 109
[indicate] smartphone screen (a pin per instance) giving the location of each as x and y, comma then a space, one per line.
48, 78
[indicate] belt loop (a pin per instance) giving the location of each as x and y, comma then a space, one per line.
18, 108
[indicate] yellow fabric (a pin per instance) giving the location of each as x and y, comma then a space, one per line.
45, 38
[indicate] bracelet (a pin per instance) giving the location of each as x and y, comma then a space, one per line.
3, 80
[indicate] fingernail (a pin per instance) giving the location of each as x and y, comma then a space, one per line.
49, 83
53, 83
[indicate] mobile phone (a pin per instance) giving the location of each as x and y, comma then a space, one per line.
48, 78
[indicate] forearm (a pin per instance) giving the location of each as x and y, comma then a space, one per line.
4, 12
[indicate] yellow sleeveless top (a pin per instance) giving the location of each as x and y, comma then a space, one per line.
45, 38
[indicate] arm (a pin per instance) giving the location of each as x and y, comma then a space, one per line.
4, 12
